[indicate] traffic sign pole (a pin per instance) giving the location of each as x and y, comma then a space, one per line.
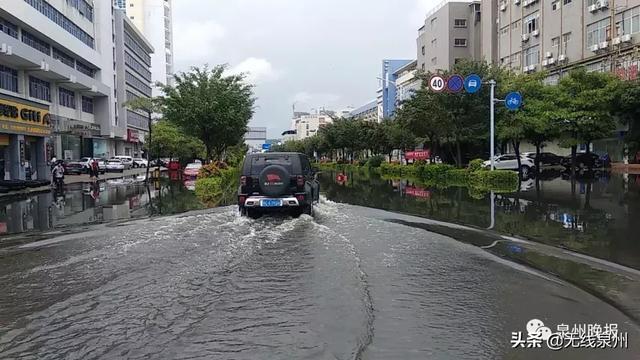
493, 114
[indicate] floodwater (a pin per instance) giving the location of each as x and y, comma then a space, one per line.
351, 283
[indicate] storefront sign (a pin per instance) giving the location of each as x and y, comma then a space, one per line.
133, 136
22, 153
17, 118
75, 127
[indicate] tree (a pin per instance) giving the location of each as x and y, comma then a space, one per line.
210, 105
627, 105
170, 141
584, 102
149, 106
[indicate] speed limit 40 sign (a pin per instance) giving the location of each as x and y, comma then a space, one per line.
437, 83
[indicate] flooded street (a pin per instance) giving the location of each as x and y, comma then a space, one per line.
351, 283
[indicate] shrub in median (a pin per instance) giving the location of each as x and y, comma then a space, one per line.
435, 172
209, 190
375, 161
476, 165
495, 180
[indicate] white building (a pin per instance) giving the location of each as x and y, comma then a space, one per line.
255, 137
308, 125
407, 83
56, 80
154, 19
366, 112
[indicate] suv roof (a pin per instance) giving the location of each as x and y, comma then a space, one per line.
254, 163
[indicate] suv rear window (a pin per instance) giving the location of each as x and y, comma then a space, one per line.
260, 162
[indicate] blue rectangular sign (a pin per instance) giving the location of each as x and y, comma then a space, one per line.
266, 146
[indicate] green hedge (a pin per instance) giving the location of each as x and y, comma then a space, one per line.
209, 190
495, 180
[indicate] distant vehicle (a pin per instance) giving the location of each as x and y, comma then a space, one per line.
584, 161
127, 161
277, 182
510, 162
102, 165
115, 165
547, 159
604, 158
73, 167
192, 170
86, 163
157, 162
139, 163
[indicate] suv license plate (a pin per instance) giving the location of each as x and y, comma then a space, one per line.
270, 203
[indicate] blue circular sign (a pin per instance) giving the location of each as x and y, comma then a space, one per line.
513, 101
472, 83
455, 83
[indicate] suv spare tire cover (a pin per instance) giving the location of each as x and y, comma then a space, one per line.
274, 180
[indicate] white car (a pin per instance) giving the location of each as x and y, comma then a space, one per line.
139, 163
115, 165
127, 161
510, 162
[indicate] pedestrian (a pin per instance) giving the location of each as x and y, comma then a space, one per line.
58, 176
95, 168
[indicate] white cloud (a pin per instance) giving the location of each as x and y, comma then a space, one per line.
195, 42
257, 70
420, 10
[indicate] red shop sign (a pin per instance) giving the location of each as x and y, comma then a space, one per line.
133, 136
418, 155
417, 192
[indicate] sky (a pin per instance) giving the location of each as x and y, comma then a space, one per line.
311, 53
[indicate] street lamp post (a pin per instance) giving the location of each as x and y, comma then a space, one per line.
492, 83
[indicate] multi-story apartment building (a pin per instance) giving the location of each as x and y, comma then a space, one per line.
452, 31
154, 19
308, 125
407, 82
55, 83
366, 112
133, 80
386, 95
255, 137
557, 35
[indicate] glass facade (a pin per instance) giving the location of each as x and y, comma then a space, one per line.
39, 89
8, 79
54, 15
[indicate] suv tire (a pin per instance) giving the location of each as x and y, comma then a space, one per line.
274, 180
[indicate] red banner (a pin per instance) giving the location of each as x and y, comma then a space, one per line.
418, 155
133, 136
417, 192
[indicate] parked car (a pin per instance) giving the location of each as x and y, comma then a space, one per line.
192, 170
102, 165
139, 163
584, 161
73, 167
277, 182
547, 159
86, 164
127, 161
115, 165
510, 162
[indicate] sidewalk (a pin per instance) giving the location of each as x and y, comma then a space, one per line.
625, 168
78, 179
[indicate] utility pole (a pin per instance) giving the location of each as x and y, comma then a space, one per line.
492, 83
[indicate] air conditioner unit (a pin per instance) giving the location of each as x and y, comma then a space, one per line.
604, 45
625, 38
525, 37
3, 48
544, 62
551, 61
592, 8
615, 41
44, 66
535, 33
562, 58
503, 7
516, 2
548, 54
594, 47
525, 3
603, 4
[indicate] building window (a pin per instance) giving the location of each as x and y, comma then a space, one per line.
39, 89
555, 42
87, 105
515, 59
83, 8
434, 60
423, 67
35, 43
138, 84
631, 21
434, 43
531, 23
460, 23
598, 32
504, 31
137, 66
56, 16
423, 50
515, 25
8, 28
64, 58
567, 2
87, 70
566, 38
66, 98
137, 48
8, 79
459, 42
555, 5
434, 22
532, 56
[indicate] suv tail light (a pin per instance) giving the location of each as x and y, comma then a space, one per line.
300, 198
300, 181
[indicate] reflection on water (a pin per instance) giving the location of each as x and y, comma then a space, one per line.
593, 214
83, 204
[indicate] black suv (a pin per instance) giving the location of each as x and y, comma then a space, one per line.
277, 182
